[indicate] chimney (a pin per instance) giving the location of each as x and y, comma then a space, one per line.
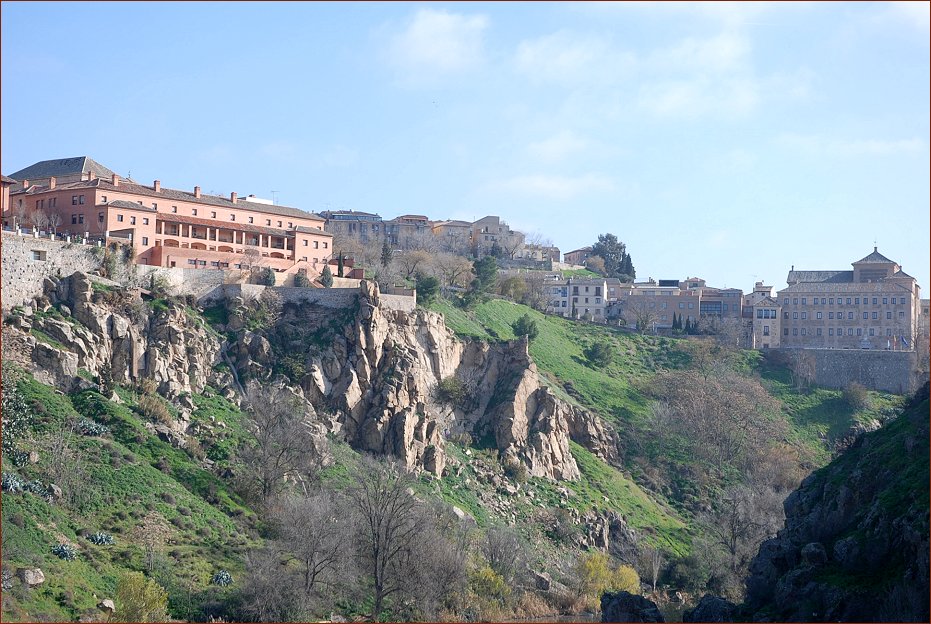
157, 185
116, 180
197, 192
25, 184
233, 197
51, 182
91, 175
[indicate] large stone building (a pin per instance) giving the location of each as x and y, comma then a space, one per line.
364, 227
763, 317
657, 302
874, 306
167, 227
577, 298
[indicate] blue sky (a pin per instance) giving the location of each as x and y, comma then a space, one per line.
727, 141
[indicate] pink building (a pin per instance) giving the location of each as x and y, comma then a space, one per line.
168, 227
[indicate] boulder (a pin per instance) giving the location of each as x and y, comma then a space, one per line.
711, 609
626, 607
107, 605
541, 580
31, 576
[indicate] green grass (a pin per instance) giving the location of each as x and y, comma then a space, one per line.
43, 337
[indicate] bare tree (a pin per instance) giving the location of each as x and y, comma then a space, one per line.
742, 520
640, 311
512, 243
54, 220
453, 270
422, 241
40, 219
652, 562
504, 552
283, 445
410, 262
21, 213
390, 526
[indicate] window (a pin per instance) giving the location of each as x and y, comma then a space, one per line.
888, 315
154, 206
74, 219
830, 315
785, 331
830, 331
901, 314
822, 300
795, 331
885, 300
804, 315
831, 300
888, 331
213, 214
232, 217
893, 301
250, 219
850, 331
848, 300
795, 315
766, 330
103, 199
681, 306
194, 211
119, 218
325, 245
875, 300
74, 200
145, 240
818, 331
759, 314
145, 220
818, 315
81, 218
174, 209
804, 331
785, 301
290, 225
804, 300
100, 216
132, 220
850, 316
52, 202
279, 224
866, 315
81, 199
856, 301
871, 331
785, 315
795, 301
875, 315
691, 306
859, 331
268, 221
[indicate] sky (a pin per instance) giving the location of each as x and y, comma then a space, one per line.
727, 141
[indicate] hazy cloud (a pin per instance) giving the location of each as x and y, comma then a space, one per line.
557, 147
558, 187
852, 147
439, 42
568, 58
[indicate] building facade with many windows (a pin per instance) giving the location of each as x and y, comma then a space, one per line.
168, 227
874, 306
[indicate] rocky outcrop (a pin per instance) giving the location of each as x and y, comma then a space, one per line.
711, 609
625, 607
855, 546
31, 577
107, 331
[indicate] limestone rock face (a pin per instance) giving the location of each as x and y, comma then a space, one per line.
711, 609
111, 337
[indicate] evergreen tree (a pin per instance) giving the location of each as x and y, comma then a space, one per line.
340, 263
326, 277
386, 253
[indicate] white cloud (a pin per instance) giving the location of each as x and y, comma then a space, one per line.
696, 97
569, 58
557, 187
852, 147
557, 147
723, 53
439, 42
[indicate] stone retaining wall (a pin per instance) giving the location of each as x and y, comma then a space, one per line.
27, 260
888, 371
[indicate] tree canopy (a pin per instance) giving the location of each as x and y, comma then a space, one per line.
617, 262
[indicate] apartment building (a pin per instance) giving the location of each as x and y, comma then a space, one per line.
169, 227
762, 315
453, 236
690, 299
577, 256
490, 231
364, 227
577, 298
538, 253
404, 230
874, 306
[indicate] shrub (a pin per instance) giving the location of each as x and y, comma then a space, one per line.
857, 397
594, 575
91, 428
450, 392
14, 413
140, 599
526, 326
326, 277
168, 498
487, 583
36, 487
18, 520
222, 578
301, 280
516, 471
64, 551
11, 482
101, 539
152, 408
599, 354
427, 289
267, 277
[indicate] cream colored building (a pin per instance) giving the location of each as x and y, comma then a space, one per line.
874, 306
577, 298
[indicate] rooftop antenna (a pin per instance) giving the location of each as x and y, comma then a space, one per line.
275, 197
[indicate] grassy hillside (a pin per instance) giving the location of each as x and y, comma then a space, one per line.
167, 514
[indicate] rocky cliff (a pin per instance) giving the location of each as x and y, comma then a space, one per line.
855, 544
370, 372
